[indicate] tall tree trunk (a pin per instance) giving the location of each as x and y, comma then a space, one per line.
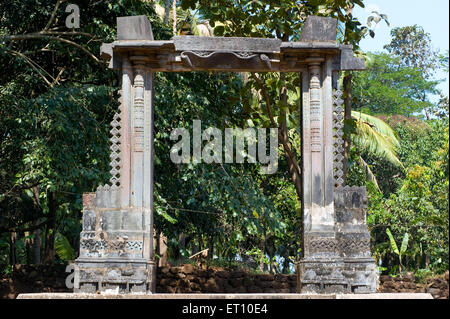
211, 248
49, 254
37, 233
174, 13
37, 247
166, 11
28, 248
162, 249
12, 249
262, 265
286, 264
348, 96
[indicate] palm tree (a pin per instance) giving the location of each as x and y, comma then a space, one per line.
375, 137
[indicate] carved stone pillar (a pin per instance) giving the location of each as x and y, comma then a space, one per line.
116, 244
317, 269
336, 255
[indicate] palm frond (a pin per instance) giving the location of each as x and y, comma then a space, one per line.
370, 176
159, 9
63, 248
377, 137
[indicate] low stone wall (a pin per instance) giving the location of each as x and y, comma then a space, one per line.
34, 279
189, 279
436, 286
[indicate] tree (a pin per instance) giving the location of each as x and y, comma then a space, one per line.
166, 11
57, 98
283, 20
388, 86
413, 46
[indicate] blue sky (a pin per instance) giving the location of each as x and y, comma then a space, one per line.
432, 15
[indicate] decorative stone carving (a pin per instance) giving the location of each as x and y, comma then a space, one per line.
95, 245
92, 245
338, 126
115, 150
224, 59
138, 111
355, 245
323, 245
134, 245
315, 108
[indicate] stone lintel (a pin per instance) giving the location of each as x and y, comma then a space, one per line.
135, 36
227, 44
349, 62
167, 55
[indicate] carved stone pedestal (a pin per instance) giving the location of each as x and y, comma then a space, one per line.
113, 248
342, 262
123, 276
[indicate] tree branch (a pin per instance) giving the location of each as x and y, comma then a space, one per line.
20, 230
52, 17
294, 168
32, 64
39, 36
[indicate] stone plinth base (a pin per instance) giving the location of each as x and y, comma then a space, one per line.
357, 276
132, 276
222, 296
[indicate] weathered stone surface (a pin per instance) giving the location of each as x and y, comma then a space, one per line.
175, 270
319, 29
350, 62
134, 28
228, 44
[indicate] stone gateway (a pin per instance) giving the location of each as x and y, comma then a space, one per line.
116, 248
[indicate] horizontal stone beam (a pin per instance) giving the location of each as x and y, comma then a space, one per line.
257, 45
318, 37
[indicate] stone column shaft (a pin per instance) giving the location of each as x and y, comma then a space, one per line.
142, 166
125, 148
317, 152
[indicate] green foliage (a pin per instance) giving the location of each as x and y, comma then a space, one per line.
376, 137
63, 248
57, 100
389, 87
392, 242
419, 207
413, 45
394, 246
